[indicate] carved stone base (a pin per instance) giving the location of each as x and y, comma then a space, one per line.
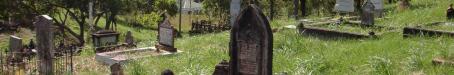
166, 48
222, 68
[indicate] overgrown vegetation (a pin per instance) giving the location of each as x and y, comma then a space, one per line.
294, 54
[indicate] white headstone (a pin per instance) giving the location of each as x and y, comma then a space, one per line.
344, 6
378, 4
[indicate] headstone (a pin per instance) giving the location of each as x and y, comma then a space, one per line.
45, 43
379, 7
222, 68
166, 36
167, 72
116, 69
15, 46
235, 6
344, 6
129, 39
251, 44
450, 12
367, 16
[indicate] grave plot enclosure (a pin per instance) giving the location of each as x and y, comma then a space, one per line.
251, 44
104, 39
431, 29
204, 26
344, 30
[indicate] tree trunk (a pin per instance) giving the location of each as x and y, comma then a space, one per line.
295, 9
358, 4
303, 7
271, 9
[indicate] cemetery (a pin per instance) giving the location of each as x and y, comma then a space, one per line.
227, 37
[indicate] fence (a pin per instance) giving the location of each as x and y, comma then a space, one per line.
26, 62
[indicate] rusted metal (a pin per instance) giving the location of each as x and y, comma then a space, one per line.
251, 44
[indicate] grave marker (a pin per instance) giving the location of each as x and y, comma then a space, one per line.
166, 36
450, 12
378, 4
344, 6
367, 16
129, 39
45, 43
15, 46
116, 69
251, 44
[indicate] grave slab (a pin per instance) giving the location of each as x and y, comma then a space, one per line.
110, 58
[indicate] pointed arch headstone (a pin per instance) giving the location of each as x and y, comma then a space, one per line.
166, 34
251, 42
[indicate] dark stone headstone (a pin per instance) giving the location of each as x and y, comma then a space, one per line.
222, 68
129, 39
367, 16
15, 46
167, 72
450, 12
166, 36
116, 69
45, 43
251, 44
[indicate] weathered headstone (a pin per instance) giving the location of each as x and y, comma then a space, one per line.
344, 6
167, 72
222, 68
116, 69
44, 39
251, 44
450, 12
379, 7
15, 46
367, 16
129, 39
166, 36
235, 6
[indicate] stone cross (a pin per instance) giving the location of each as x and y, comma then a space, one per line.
45, 43
367, 16
251, 44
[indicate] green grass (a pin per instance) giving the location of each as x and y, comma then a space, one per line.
295, 54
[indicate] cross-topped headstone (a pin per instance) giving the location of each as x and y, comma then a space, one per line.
367, 16
166, 36
44, 37
251, 44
